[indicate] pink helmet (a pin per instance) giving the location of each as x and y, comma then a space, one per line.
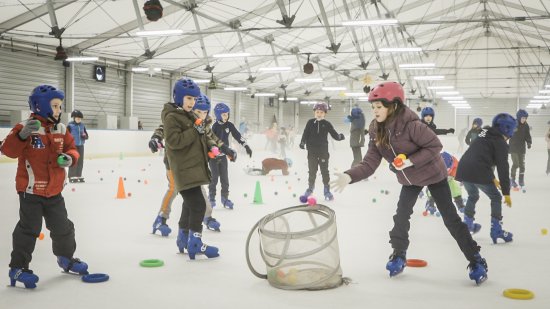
387, 92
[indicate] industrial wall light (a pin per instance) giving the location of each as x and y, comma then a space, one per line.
153, 10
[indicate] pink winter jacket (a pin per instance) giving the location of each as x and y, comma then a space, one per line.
409, 136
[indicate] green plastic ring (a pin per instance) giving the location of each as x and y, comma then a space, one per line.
151, 263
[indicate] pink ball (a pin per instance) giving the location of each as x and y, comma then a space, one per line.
216, 151
311, 201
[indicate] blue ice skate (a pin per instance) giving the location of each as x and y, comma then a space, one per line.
303, 198
328, 195
24, 276
430, 206
181, 241
72, 265
397, 263
459, 203
211, 224
472, 226
497, 232
227, 203
478, 269
196, 246
160, 225
513, 183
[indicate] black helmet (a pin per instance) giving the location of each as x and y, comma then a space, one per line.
77, 113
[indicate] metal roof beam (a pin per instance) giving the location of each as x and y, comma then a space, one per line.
31, 15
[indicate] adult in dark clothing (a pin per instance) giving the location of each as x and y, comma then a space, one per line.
315, 138
428, 114
474, 131
475, 171
521, 137
357, 134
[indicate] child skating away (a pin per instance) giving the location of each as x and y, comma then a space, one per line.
283, 142
521, 137
222, 128
475, 171
155, 143
428, 114
315, 139
44, 149
271, 164
80, 135
474, 131
187, 145
356, 134
451, 163
397, 130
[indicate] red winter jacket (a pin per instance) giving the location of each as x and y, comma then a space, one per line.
37, 169
411, 137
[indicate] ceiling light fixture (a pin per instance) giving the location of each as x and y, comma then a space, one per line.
235, 88
429, 77
81, 59
231, 55
371, 22
169, 32
288, 99
458, 98
333, 88
264, 94
447, 92
440, 87
308, 80
457, 102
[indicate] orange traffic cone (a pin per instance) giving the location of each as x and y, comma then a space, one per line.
121, 194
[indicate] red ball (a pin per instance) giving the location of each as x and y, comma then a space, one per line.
73, 189
129, 194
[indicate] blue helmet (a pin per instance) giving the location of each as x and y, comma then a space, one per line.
202, 103
447, 158
427, 111
505, 124
478, 122
288, 162
183, 87
522, 113
356, 111
220, 109
321, 106
39, 100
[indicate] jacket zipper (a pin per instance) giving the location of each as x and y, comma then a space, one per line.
395, 155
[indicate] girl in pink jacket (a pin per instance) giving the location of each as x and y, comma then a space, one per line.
397, 130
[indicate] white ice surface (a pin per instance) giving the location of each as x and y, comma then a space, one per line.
113, 236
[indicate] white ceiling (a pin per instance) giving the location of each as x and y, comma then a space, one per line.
492, 48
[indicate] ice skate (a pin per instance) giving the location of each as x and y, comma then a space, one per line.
72, 265
160, 225
24, 276
303, 198
514, 184
181, 241
212, 200
459, 203
478, 269
81, 179
472, 226
522, 183
73, 179
196, 246
211, 224
227, 203
328, 194
430, 207
497, 232
397, 263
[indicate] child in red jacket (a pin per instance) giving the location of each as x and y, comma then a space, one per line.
44, 148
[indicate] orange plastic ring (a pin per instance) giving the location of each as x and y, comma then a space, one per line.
518, 294
416, 263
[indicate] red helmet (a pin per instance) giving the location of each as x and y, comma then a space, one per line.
387, 92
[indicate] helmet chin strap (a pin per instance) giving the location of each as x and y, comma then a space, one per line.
53, 120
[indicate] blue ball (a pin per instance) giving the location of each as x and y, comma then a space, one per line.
303, 198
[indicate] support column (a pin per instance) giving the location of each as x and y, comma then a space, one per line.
69, 94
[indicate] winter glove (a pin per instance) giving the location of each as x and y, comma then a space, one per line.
32, 125
248, 150
199, 126
497, 183
155, 143
508, 200
528, 146
64, 160
392, 168
214, 152
451, 130
341, 182
405, 163
229, 152
302, 145
342, 137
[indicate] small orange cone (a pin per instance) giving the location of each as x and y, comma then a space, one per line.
121, 194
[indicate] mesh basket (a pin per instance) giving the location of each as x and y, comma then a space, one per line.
299, 247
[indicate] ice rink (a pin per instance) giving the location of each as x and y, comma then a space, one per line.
113, 236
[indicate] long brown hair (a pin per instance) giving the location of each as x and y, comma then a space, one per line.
382, 135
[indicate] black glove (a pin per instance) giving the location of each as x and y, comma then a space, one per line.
342, 137
302, 145
451, 130
248, 150
528, 146
392, 168
154, 144
232, 154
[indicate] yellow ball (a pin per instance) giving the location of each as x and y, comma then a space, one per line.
544, 231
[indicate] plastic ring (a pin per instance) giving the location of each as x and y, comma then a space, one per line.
95, 278
416, 263
518, 294
151, 263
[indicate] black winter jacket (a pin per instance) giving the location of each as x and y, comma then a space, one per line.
520, 138
315, 135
